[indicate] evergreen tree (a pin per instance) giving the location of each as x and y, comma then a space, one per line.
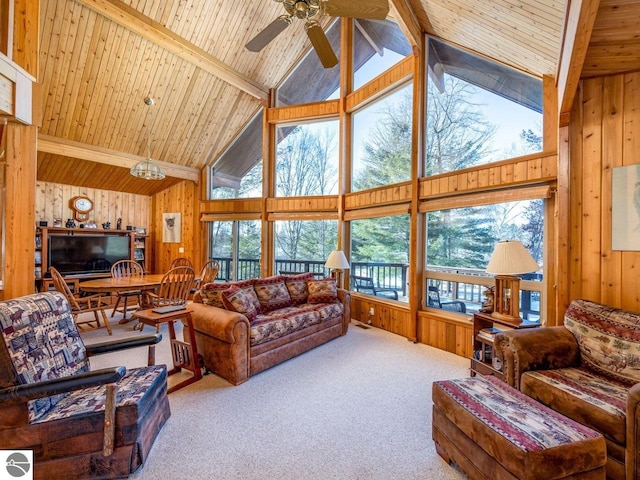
387, 152
450, 242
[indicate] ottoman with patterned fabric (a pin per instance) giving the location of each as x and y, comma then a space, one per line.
493, 431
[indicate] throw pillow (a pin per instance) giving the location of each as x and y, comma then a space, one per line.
272, 293
236, 300
322, 291
211, 293
297, 286
247, 286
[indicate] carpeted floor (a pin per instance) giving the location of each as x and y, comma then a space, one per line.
358, 407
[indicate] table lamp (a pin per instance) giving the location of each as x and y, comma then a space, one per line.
509, 258
337, 262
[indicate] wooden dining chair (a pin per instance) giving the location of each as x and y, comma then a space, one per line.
209, 272
180, 262
122, 269
79, 305
174, 290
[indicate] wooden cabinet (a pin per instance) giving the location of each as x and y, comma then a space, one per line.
484, 360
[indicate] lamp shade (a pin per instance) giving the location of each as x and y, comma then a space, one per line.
337, 260
511, 258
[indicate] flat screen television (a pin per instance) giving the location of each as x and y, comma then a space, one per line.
84, 254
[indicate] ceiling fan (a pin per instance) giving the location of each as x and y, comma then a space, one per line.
309, 10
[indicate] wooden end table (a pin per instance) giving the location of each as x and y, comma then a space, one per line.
185, 355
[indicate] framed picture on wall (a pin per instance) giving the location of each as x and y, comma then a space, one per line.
171, 227
625, 203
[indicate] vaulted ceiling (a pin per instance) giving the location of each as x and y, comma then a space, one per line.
99, 59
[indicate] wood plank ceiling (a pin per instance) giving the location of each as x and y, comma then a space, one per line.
95, 72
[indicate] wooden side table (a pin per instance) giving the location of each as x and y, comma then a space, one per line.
484, 365
185, 355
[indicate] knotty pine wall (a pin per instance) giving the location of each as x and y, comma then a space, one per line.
20, 178
52, 201
604, 133
181, 198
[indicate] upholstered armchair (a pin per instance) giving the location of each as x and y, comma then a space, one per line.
79, 423
589, 370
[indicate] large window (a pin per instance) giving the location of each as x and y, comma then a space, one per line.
237, 173
380, 256
304, 245
478, 111
376, 47
310, 81
460, 242
307, 159
236, 245
382, 141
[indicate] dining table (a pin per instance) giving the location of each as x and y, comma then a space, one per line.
113, 285
122, 284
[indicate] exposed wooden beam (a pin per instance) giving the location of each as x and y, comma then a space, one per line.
69, 148
133, 20
408, 23
580, 17
375, 43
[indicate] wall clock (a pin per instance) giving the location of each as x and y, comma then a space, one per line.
81, 207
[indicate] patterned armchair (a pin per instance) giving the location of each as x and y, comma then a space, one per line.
589, 370
79, 423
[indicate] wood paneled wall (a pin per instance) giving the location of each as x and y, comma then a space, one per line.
604, 133
52, 201
182, 198
20, 180
389, 316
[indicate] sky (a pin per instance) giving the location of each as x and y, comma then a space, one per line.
508, 117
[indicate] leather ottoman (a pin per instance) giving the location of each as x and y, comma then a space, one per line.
493, 431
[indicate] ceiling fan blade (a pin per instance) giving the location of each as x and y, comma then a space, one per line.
321, 44
272, 30
371, 9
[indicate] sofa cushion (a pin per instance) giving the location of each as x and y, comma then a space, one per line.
272, 293
138, 387
297, 286
326, 310
322, 291
609, 338
591, 399
237, 300
281, 323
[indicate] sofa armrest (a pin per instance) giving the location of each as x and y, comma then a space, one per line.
218, 322
632, 454
544, 348
345, 298
222, 338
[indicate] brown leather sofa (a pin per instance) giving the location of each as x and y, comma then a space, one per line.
588, 370
236, 348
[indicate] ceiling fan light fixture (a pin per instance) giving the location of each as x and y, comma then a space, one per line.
301, 9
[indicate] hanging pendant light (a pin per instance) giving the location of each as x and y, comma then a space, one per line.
146, 168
